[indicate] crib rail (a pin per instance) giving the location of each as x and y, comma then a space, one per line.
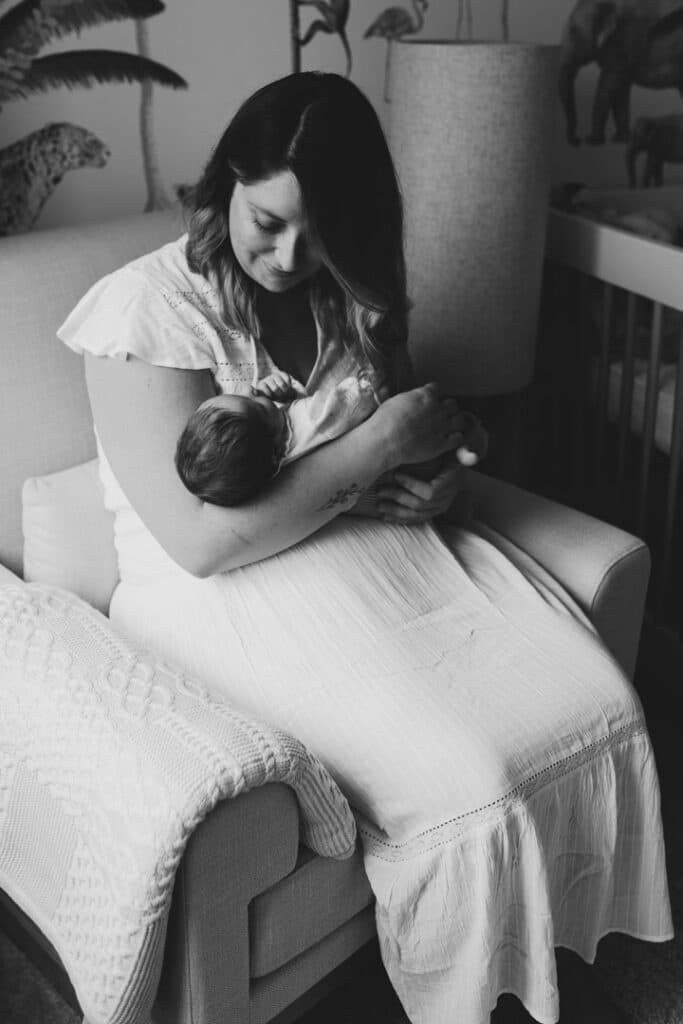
606, 419
616, 257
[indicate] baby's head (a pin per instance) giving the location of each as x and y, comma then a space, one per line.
230, 447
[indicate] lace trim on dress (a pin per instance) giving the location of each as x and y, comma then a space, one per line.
376, 845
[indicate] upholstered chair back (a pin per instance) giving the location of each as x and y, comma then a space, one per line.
45, 422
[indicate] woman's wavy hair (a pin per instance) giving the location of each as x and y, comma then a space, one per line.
325, 131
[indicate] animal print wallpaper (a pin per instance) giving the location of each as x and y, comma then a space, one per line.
109, 107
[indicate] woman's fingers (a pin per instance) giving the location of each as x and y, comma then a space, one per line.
392, 512
421, 489
425, 424
399, 497
429, 502
406, 498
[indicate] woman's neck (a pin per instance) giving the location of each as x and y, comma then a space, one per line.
288, 329
277, 304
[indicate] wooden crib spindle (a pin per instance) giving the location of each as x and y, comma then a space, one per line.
602, 390
577, 375
626, 394
651, 401
673, 477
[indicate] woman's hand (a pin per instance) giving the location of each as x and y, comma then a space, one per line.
419, 424
405, 498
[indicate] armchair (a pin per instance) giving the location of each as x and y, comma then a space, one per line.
258, 922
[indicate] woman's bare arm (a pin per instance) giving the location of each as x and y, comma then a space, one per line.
139, 412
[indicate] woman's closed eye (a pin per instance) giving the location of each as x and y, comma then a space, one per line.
268, 227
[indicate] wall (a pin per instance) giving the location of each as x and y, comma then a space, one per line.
227, 49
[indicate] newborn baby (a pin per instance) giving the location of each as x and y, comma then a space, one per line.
233, 444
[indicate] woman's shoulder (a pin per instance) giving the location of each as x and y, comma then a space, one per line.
153, 307
160, 276
166, 265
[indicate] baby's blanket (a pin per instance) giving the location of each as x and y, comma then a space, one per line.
108, 761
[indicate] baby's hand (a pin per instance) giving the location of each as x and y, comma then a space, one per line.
279, 386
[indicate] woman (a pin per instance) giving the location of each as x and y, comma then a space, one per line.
497, 759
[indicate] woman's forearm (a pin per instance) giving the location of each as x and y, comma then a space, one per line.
150, 404
305, 496
140, 410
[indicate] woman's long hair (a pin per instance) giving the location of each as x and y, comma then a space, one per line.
323, 129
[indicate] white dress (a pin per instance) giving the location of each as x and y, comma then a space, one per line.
495, 755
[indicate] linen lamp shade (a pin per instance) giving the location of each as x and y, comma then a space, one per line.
470, 127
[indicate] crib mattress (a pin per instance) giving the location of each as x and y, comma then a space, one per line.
666, 398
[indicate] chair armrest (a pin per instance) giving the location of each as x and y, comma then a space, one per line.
243, 847
604, 569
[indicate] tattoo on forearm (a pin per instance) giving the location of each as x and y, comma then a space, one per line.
341, 497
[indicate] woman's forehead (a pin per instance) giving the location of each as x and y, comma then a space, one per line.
279, 195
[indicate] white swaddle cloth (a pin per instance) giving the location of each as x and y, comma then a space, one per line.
324, 415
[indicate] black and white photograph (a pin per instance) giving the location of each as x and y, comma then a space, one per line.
341, 517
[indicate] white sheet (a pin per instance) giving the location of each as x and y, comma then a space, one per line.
666, 398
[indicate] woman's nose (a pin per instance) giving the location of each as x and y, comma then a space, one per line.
291, 249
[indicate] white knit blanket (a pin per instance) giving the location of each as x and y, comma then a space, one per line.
108, 761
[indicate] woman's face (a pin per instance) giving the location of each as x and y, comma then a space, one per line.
269, 233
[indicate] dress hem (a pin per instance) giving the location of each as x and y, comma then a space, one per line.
543, 1019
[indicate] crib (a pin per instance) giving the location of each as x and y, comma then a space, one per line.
604, 417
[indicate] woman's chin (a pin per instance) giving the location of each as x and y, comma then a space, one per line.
277, 286
277, 281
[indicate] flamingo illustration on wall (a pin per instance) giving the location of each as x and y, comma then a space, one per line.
505, 19
335, 14
464, 14
394, 23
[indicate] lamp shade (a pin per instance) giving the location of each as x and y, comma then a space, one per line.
470, 127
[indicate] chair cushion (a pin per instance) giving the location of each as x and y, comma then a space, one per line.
7, 576
312, 902
69, 535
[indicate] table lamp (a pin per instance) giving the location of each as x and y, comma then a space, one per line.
470, 126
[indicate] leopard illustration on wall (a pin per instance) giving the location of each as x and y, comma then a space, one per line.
32, 167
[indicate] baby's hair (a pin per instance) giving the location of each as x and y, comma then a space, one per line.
214, 438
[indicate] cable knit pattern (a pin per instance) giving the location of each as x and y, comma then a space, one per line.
108, 761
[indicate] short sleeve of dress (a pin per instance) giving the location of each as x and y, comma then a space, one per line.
127, 313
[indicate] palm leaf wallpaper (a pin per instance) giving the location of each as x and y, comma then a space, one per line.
32, 167
111, 123
89, 67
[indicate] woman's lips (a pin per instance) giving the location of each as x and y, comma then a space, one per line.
280, 273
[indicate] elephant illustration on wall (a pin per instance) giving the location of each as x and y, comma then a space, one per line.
661, 138
633, 42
